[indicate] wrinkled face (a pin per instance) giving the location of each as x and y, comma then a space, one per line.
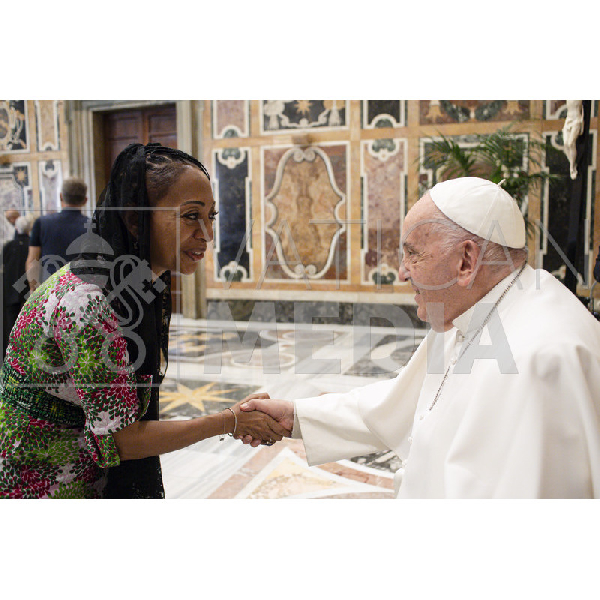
180, 235
432, 272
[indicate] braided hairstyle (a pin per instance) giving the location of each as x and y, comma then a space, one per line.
141, 175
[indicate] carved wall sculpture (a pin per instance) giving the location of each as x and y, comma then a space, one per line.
50, 175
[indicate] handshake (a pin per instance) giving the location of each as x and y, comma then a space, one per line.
261, 420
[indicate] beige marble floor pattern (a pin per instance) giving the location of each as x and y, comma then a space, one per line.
230, 470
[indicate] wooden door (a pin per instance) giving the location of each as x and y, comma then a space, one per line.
144, 126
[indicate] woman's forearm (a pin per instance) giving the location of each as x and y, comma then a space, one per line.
151, 438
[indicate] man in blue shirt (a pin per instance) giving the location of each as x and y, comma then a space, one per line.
52, 234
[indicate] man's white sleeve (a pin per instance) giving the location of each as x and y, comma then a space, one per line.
332, 426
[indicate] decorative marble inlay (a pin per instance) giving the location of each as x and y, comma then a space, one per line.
15, 192
50, 174
48, 125
305, 213
555, 207
288, 476
555, 109
230, 118
13, 126
383, 173
233, 239
383, 113
283, 115
433, 112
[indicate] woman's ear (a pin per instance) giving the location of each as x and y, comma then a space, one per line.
469, 263
131, 222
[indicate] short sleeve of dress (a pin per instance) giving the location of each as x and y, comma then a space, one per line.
94, 351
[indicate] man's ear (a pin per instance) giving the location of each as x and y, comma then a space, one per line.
131, 222
469, 263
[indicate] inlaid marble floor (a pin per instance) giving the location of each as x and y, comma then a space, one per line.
214, 364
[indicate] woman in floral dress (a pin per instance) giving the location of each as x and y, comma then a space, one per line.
79, 384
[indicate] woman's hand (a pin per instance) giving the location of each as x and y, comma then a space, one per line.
256, 426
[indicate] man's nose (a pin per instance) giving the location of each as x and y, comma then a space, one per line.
403, 272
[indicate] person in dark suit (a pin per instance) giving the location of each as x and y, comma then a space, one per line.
14, 256
52, 234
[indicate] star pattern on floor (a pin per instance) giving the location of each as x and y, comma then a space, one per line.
195, 397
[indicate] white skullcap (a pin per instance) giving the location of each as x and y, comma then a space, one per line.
483, 208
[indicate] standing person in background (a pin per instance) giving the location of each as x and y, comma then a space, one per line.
53, 234
14, 256
7, 226
12, 215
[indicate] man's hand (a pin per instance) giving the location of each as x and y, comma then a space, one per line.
280, 410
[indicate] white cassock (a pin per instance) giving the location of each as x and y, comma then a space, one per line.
517, 417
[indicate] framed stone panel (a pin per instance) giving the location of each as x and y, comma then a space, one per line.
383, 207
437, 112
15, 192
14, 126
555, 200
279, 116
233, 226
47, 125
305, 206
383, 113
230, 119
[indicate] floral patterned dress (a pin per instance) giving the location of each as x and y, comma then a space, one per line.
66, 385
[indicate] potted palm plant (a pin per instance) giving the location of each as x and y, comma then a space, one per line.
516, 158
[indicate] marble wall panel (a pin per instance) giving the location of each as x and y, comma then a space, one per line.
436, 112
47, 124
555, 209
50, 177
555, 109
286, 115
305, 212
233, 239
230, 118
15, 192
383, 113
14, 126
383, 174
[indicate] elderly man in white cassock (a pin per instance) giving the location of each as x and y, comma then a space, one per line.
502, 397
